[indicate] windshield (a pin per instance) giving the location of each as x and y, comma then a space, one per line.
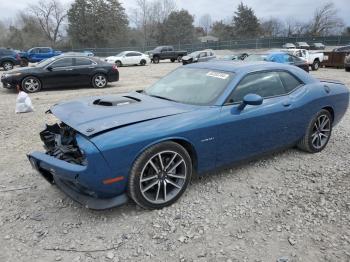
191, 86
194, 54
121, 54
45, 62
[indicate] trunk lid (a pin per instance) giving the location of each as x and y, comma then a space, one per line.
93, 115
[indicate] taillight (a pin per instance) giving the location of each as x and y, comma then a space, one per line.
114, 67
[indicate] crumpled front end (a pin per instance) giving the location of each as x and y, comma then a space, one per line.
77, 167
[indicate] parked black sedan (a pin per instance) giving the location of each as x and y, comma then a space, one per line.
62, 71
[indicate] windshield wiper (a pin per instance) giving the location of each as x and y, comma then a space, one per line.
162, 97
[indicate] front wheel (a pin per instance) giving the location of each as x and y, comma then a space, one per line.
118, 63
99, 81
317, 133
315, 65
31, 84
160, 175
347, 69
179, 59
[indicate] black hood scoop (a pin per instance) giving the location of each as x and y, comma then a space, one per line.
116, 101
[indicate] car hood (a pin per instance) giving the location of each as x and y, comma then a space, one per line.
94, 115
24, 70
187, 57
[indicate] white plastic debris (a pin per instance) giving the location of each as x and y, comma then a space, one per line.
23, 103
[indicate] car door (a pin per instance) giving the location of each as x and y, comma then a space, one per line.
202, 57
136, 58
255, 129
34, 55
83, 70
59, 73
44, 52
129, 59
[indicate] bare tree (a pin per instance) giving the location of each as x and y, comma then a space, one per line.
295, 28
272, 27
326, 21
205, 22
50, 14
150, 15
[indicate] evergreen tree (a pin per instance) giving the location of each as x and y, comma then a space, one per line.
178, 27
245, 22
97, 23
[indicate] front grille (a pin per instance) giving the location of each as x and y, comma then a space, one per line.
60, 142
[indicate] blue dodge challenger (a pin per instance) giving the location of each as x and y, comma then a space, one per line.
146, 145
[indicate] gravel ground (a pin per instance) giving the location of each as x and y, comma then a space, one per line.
290, 206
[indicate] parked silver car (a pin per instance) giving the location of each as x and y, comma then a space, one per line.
198, 56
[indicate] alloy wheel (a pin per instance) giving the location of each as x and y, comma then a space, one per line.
31, 85
163, 177
7, 66
321, 131
100, 81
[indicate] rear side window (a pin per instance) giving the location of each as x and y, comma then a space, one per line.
265, 84
82, 61
45, 50
289, 81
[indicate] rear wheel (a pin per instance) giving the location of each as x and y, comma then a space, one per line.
315, 65
7, 65
317, 133
31, 84
99, 81
179, 58
347, 69
160, 175
156, 60
24, 62
172, 60
143, 62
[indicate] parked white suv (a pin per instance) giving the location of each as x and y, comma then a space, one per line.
314, 58
129, 58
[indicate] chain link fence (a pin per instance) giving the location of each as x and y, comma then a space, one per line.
234, 44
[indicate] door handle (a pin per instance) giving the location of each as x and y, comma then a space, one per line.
69, 69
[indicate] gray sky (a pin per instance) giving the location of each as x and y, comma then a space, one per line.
218, 9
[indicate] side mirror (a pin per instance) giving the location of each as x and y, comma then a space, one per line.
49, 68
251, 99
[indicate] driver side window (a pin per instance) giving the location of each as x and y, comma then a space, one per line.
265, 84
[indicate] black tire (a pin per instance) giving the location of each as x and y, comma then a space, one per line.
307, 143
31, 84
7, 65
24, 62
179, 58
143, 62
118, 63
172, 60
315, 65
143, 166
99, 80
347, 69
156, 60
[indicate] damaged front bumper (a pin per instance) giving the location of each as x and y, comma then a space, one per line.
80, 179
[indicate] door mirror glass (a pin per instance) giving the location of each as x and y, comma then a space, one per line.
49, 68
251, 99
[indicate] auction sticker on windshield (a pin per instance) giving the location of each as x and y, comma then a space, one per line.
218, 75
